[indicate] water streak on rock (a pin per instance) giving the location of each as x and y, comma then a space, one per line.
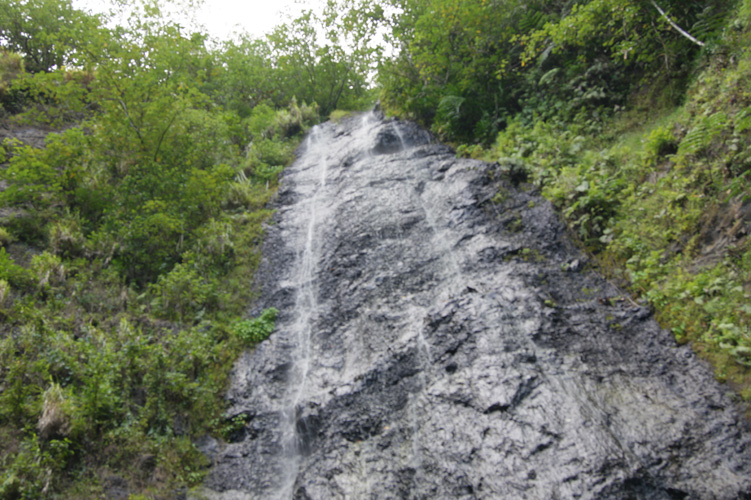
435, 344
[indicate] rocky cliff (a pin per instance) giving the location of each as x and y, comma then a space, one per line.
440, 337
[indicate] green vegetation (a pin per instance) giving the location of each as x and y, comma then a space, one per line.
129, 238
252, 331
637, 132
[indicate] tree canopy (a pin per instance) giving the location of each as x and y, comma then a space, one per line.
465, 67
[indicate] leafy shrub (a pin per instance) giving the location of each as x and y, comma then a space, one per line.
448, 116
43, 177
11, 66
4, 292
148, 243
252, 331
338, 115
55, 418
203, 194
515, 170
260, 123
659, 143
310, 114
65, 235
295, 119
12, 273
213, 245
245, 194
288, 123
266, 152
31, 177
48, 269
23, 477
743, 121
5, 237
702, 133
182, 294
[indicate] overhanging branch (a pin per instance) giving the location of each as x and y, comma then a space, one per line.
675, 26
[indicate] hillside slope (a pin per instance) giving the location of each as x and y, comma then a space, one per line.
639, 135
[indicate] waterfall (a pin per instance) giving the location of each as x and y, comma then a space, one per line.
305, 312
434, 344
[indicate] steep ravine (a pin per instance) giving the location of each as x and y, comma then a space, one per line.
434, 343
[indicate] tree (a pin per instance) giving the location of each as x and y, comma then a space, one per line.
49, 33
244, 76
464, 67
327, 58
675, 26
457, 68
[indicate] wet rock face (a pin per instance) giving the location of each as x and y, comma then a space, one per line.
434, 344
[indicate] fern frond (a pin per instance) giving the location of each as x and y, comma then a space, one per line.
450, 106
703, 133
709, 24
743, 120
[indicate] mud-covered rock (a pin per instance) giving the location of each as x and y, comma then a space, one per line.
438, 341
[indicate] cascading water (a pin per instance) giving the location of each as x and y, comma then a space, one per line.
434, 344
305, 312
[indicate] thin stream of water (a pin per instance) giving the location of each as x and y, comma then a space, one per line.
306, 306
451, 266
306, 311
400, 135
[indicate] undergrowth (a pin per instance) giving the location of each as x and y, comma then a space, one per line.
659, 195
119, 327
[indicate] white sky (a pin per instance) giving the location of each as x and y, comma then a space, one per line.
257, 17
222, 18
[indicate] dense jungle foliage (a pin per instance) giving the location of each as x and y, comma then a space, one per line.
130, 233
130, 230
632, 116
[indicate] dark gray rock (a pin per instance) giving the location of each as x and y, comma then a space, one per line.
432, 344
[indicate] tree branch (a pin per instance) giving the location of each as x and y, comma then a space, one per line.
675, 26
164, 133
130, 120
